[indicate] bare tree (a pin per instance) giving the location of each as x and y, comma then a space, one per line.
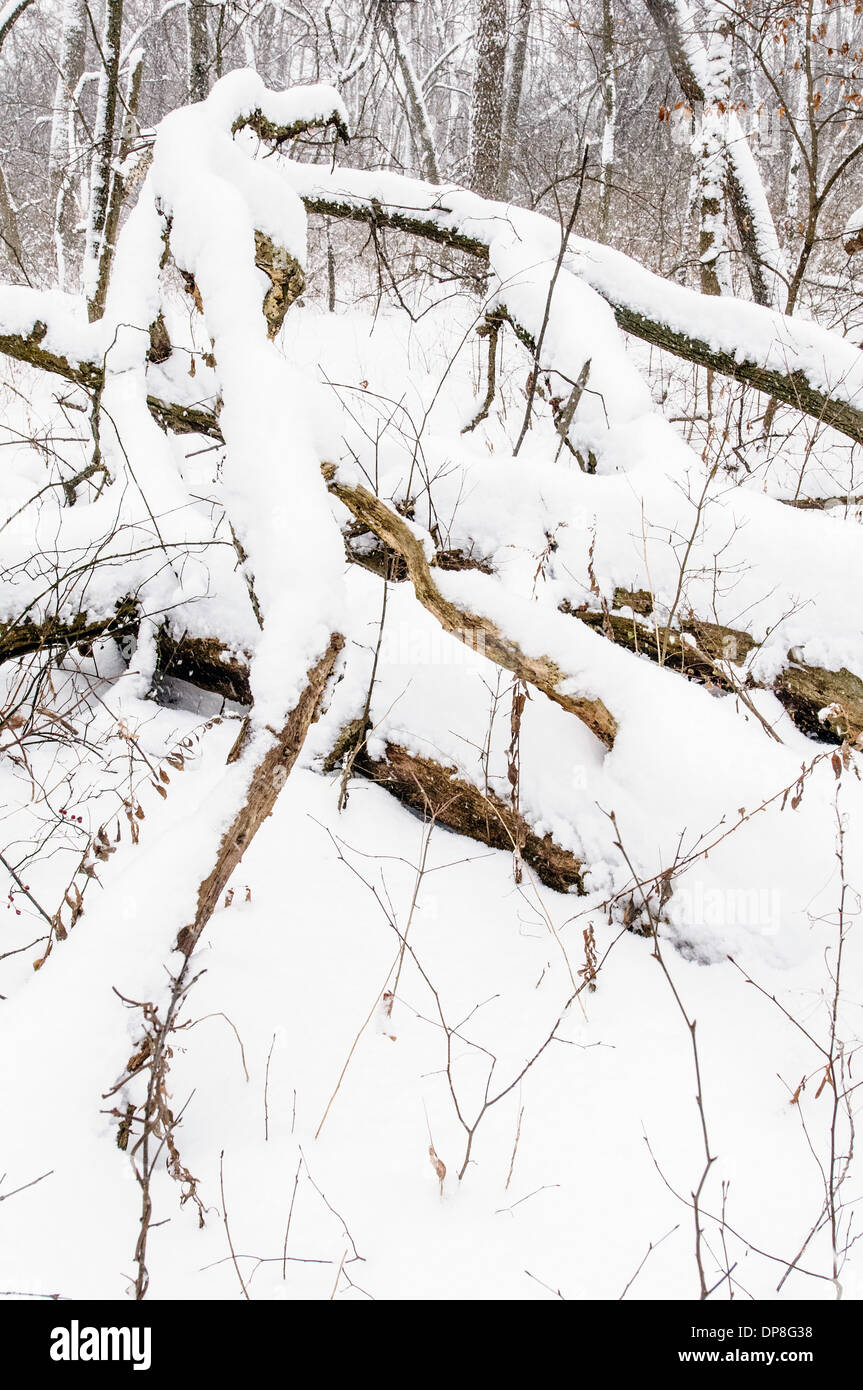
419, 120
103, 148
517, 50
487, 97
198, 48
63, 152
609, 106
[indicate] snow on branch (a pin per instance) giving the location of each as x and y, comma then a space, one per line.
226, 215
802, 365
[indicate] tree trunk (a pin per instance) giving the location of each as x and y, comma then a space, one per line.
432, 789
115, 202
514, 85
710, 156
487, 100
419, 120
9, 224
103, 148
747, 199
198, 41
63, 148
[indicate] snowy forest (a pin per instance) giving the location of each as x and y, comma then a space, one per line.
431, 653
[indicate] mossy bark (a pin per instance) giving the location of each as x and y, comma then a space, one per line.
433, 790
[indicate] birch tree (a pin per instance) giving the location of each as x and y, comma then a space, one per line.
103, 146
63, 150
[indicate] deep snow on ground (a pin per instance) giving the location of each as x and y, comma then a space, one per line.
589, 1159
291, 975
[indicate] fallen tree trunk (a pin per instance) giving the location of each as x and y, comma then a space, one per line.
23, 639
267, 781
205, 662
474, 629
825, 705
434, 790
793, 387
793, 364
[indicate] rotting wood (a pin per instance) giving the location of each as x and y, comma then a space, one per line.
267, 781
824, 705
287, 281
431, 789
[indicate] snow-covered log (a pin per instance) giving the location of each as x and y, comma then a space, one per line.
795, 361
269, 774
807, 367
486, 625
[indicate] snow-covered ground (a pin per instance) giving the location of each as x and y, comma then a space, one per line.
533, 1110
571, 1172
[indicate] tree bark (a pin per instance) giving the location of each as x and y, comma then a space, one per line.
267, 781
825, 705
514, 86
103, 149
198, 42
487, 98
431, 789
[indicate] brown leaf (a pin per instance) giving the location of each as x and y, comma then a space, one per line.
438, 1165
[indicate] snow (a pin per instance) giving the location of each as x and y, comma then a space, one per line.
290, 1062
854, 223
216, 198
69, 334
746, 331
585, 1107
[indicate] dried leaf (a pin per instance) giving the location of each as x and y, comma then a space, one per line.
438, 1165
